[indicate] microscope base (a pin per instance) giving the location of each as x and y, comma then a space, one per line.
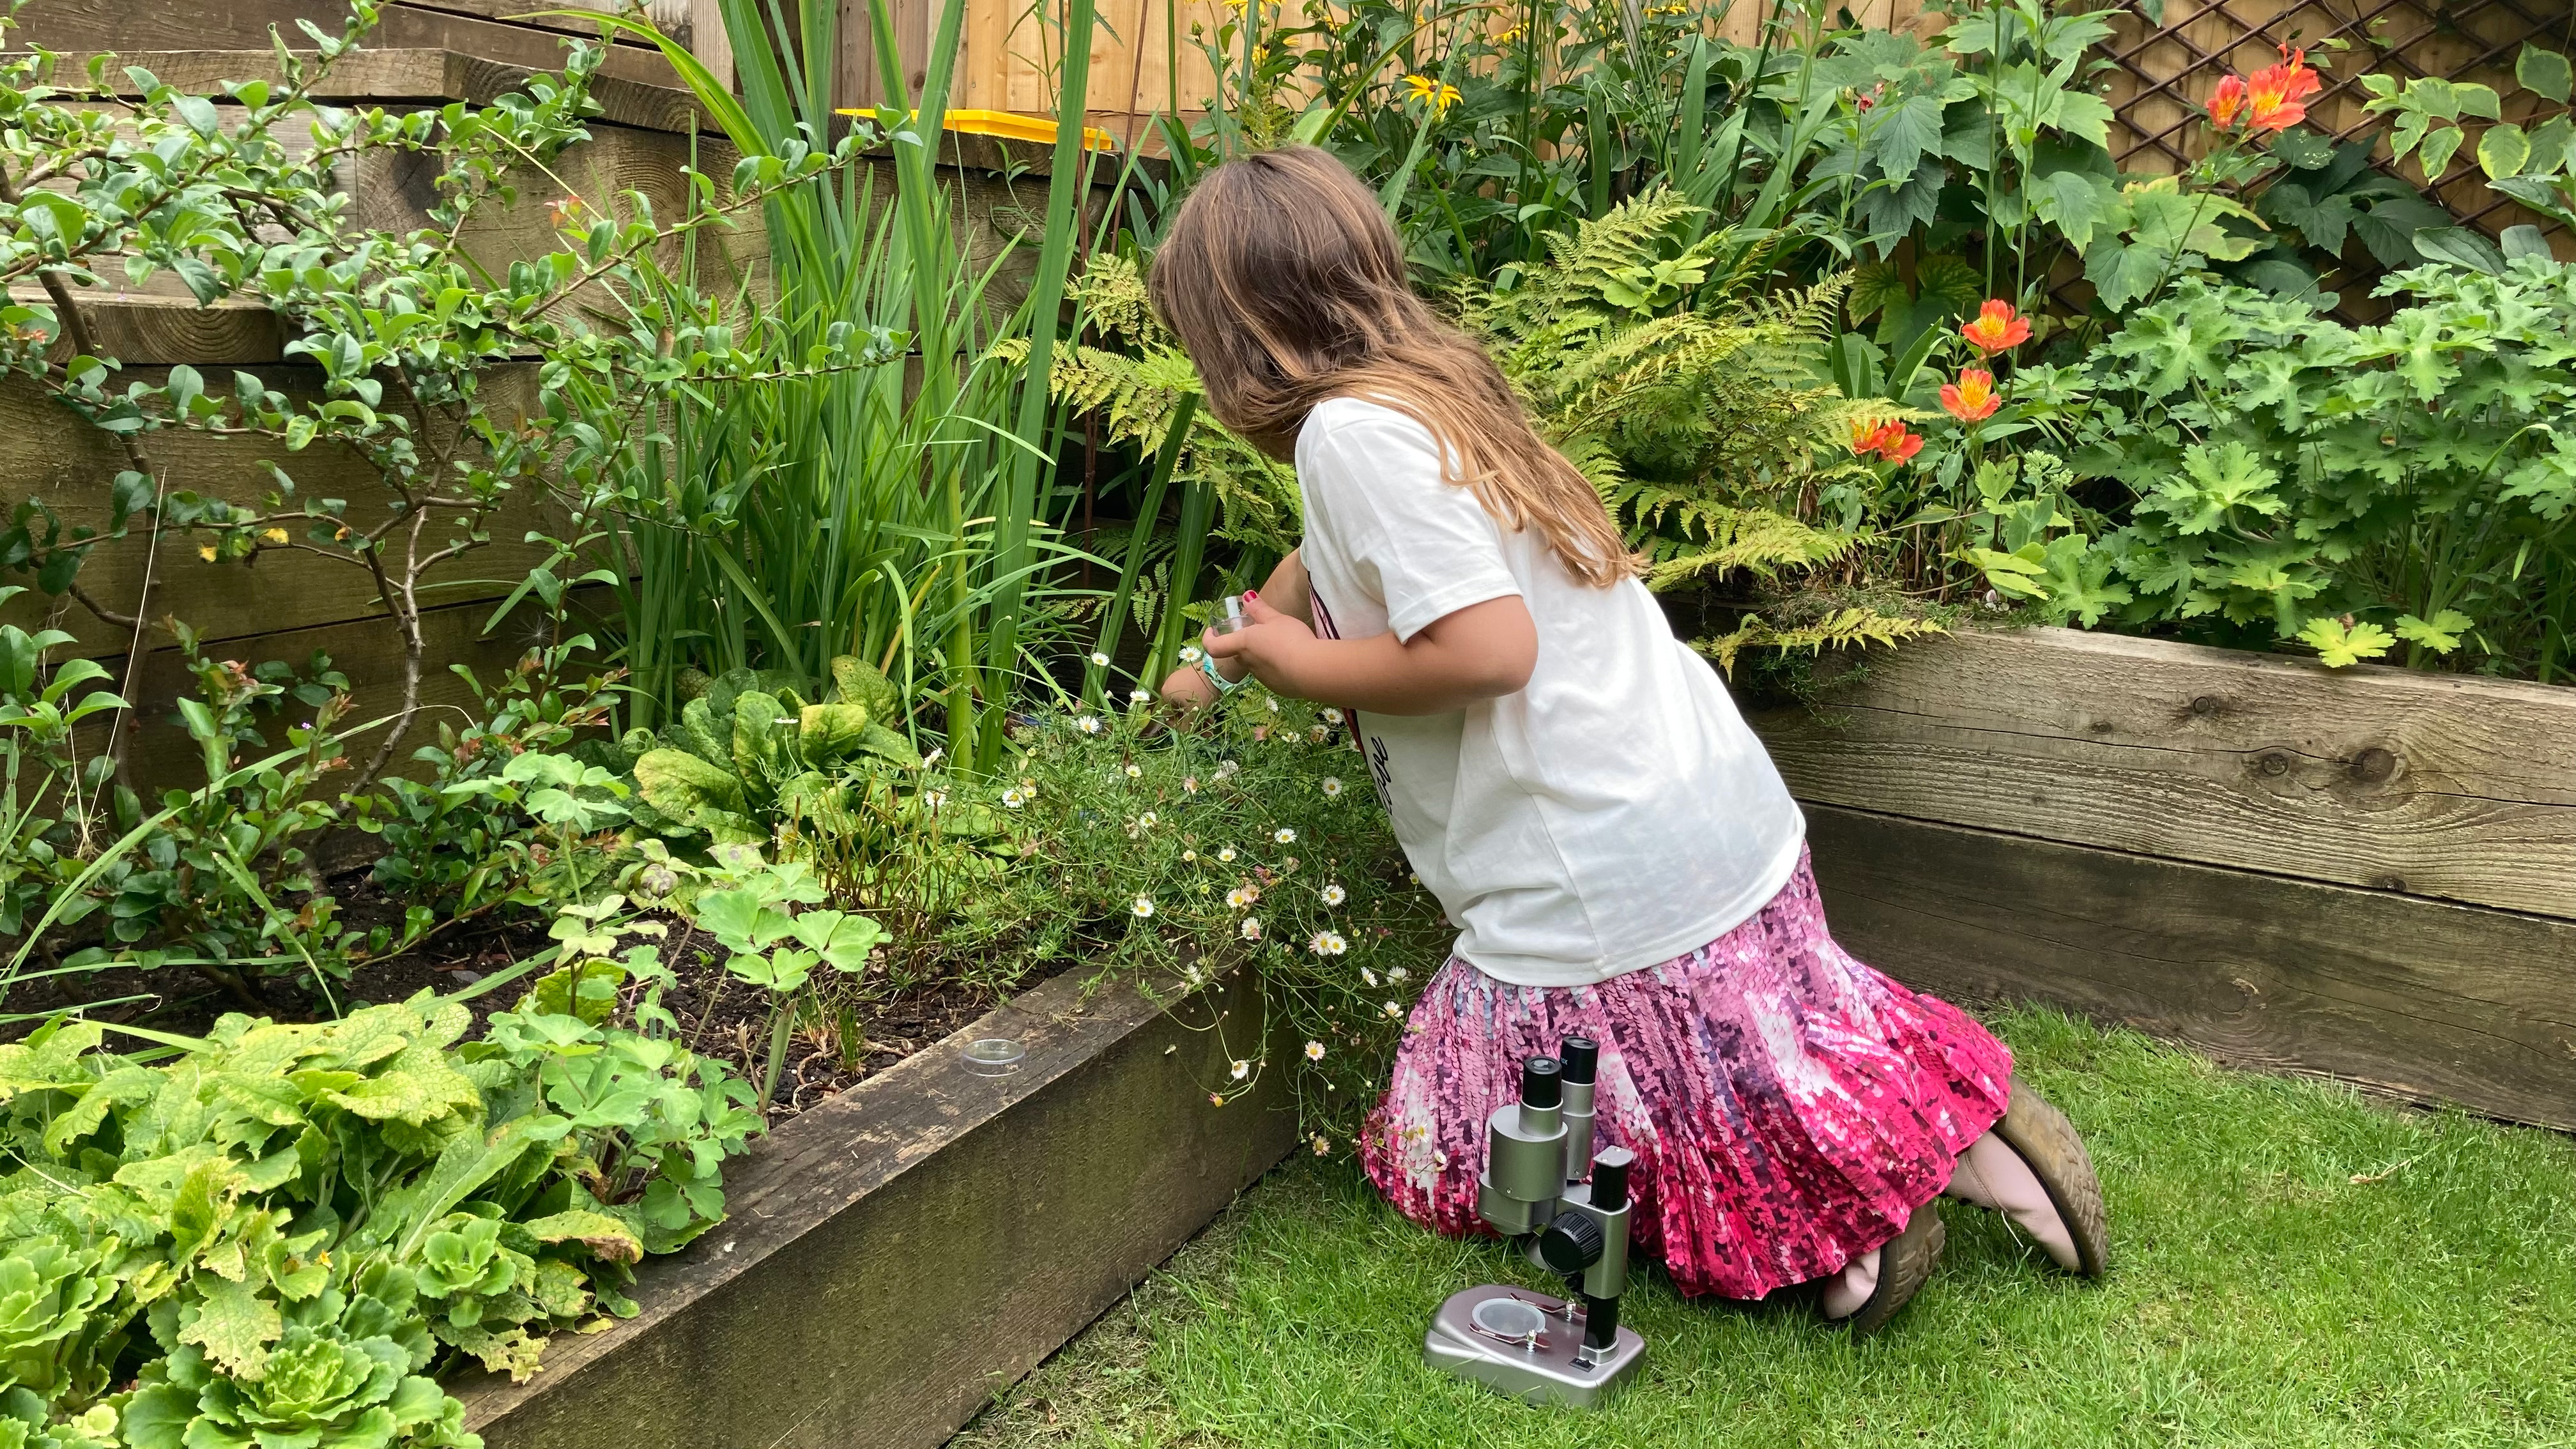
1544, 1373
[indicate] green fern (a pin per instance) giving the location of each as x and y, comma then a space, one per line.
1136, 386
1852, 628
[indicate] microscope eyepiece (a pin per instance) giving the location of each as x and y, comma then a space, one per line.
1580, 1054
1542, 1082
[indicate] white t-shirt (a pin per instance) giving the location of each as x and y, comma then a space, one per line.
1613, 814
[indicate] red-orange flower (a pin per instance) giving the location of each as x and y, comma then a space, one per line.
2229, 100
1972, 398
2277, 96
1889, 440
1998, 328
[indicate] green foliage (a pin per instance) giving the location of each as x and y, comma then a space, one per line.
2345, 488
1252, 837
242, 202
287, 1226
748, 754
2531, 158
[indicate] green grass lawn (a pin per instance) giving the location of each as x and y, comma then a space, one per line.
2291, 1265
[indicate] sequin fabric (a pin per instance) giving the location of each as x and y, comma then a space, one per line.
1789, 1106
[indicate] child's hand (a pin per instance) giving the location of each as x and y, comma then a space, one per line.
1188, 690
1265, 645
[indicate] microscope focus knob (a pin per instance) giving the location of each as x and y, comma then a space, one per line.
1572, 1243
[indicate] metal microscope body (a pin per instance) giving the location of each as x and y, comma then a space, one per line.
1538, 1157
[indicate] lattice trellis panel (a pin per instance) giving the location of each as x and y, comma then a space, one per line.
2164, 75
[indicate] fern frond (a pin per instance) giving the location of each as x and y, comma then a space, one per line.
1853, 628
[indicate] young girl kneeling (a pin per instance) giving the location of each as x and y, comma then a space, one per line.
1574, 784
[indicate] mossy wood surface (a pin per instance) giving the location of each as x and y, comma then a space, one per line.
895, 1256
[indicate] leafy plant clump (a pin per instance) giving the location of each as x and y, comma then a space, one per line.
1251, 839
273, 1236
2360, 491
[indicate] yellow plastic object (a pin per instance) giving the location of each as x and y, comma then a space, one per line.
1011, 125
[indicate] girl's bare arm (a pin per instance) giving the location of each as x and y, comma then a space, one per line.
1286, 591
1479, 652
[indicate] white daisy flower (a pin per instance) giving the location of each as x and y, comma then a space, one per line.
1237, 898
1319, 734
1144, 906
1332, 716
1225, 769
1323, 1146
1148, 820
1314, 1051
1191, 976
1014, 799
932, 758
1189, 784
1393, 1011
1191, 654
1284, 835
1240, 1070
1328, 943
1226, 854
1089, 724
1138, 696
1099, 658
1251, 930
1135, 772
1188, 856
933, 799
1332, 786
1367, 977
1397, 973
1334, 895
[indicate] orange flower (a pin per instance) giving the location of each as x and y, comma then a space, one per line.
2277, 96
1972, 398
1997, 328
2229, 100
1889, 440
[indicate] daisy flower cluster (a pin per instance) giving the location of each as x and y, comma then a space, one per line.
1176, 853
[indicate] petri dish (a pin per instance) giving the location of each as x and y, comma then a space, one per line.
1508, 1318
992, 1056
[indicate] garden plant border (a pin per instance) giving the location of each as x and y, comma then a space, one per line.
2364, 873
895, 1256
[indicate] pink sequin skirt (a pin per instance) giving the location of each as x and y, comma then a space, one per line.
1789, 1106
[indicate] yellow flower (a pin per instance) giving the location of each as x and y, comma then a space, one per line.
275, 535
207, 553
1440, 94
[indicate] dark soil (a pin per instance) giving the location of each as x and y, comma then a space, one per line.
863, 1028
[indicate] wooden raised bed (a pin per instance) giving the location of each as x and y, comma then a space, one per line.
2366, 873
896, 1255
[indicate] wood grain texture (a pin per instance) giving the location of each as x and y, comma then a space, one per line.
898, 1254
50, 453
365, 650
2414, 998
388, 76
2395, 780
86, 27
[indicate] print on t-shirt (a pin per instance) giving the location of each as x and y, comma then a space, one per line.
1373, 749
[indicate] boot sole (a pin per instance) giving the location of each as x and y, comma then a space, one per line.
1905, 1264
2048, 1143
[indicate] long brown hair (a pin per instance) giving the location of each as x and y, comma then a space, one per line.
1286, 283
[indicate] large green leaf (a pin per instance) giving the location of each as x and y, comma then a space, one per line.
687, 788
